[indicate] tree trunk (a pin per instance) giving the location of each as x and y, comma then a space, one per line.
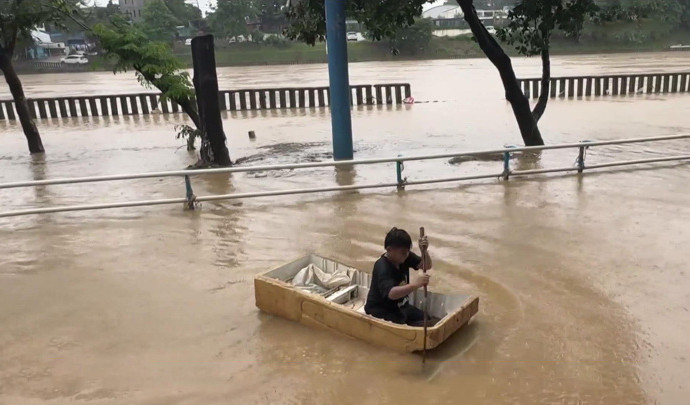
30, 131
206, 86
545, 85
517, 99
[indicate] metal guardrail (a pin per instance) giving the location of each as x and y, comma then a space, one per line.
401, 182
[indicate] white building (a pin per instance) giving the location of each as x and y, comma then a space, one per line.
444, 11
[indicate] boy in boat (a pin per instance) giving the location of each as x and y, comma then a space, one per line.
390, 283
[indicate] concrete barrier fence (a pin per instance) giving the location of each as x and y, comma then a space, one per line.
230, 100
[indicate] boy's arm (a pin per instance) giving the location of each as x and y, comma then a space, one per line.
402, 291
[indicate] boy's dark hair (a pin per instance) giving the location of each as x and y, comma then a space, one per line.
398, 238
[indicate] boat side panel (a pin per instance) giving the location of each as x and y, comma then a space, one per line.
358, 325
439, 333
273, 297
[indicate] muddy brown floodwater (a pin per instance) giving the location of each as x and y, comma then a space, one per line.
583, 281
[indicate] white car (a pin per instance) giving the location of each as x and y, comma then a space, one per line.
74, 60
352, 36
188, 41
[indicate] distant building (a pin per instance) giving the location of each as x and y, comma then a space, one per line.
449, 19
42, 46
444, 11
133, 8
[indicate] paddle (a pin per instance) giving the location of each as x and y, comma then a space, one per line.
426, 316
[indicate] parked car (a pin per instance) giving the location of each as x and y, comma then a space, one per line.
352, 36
239, 38
74, 60
188, 41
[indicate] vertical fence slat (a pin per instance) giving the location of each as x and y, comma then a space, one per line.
165, 107
302, 98
580, 87
52, 108
369, 91
252, 99
311, 97
674, 84
113, 106
535, 88
83, 109
243, 99
232, 95
632, 82
262, 98
650, 83
124, 106
292, 95
143, 100
524, 85
624, 85
153, 102
597, 86
282, 98
2, 112
571, 87
408, 90
398, 94
667, 84
72, 107
588, 83
9, 106
322, 97
379, 94
93, 106
683, 83
657, 84
272, 99
616, 90
104, 105
359, 95
61, 105
42, 108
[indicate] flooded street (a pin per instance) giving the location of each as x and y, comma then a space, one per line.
583, 281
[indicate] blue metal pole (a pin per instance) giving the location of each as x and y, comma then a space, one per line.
336, 41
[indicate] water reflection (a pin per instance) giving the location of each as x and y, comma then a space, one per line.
345, 175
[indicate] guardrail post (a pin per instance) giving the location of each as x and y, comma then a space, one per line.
399, 167
581, 157
506, 162
191, 203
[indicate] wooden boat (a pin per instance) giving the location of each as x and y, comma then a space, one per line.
342, 308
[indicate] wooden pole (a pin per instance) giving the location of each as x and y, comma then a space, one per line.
426, 316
